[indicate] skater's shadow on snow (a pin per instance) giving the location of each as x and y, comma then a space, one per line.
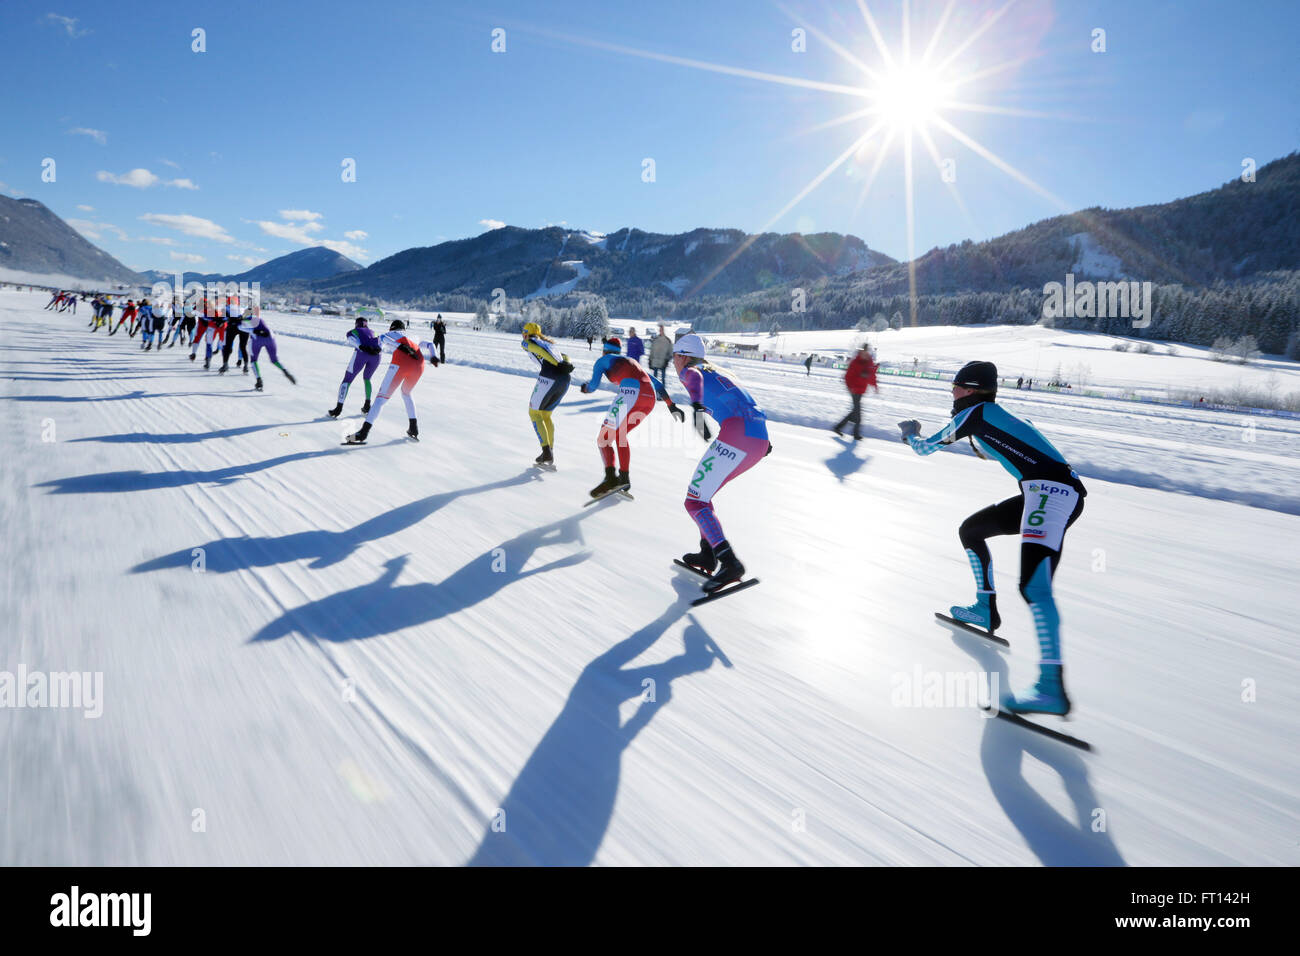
1055, 839
111, 482
847, 461
138, 393
379, 608
559, 807
177, 438
322, 548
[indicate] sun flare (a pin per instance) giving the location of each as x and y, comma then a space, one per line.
909, 97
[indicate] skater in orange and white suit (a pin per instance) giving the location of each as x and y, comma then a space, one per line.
405, 370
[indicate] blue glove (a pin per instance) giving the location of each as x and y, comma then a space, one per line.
910, 429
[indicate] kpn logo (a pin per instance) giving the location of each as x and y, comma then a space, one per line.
76, 909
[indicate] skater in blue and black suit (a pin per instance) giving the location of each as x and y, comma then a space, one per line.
1050, 501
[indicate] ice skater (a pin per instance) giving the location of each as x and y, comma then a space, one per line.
637, 393
260, 333
366, 350
210, 328
548, 391
405, 370
128, 316
238, 325
1050, 501
741, 444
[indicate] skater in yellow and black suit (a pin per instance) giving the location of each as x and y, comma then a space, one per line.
552, 382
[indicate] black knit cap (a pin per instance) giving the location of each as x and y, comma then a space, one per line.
981, 375
397, 326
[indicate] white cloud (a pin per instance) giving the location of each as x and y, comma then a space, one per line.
168, 162
186, 257
82, 208
98, 135
142, 179
139, 178
86, 227
158, 240
304, 233
189, 225
249, 261
357, 235
282, 230
492, 223
344, 248
95, 230
68, 23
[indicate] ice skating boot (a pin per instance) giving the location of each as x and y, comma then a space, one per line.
365, 406
609, 484
223, 369
359, 437
1045, 697
703, 559
245, 364
413, 431
257, 386
625, 482
545, 458
191, 356
336, 411
729, 571
983, 613
292, 380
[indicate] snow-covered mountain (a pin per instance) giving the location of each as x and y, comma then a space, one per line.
555, 260
34, 240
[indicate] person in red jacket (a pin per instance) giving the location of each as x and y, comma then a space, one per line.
861, 374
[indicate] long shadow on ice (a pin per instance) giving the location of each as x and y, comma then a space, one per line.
110, 482
176, 438
322, 548
847, 461
138, 393
1056, 840
380, 607
560, 805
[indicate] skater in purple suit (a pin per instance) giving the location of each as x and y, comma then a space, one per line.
366, 352
262, 338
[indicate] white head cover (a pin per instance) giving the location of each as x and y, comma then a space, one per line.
689, 344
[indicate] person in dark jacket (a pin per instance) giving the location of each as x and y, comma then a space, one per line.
808, 364
861, 373
440, 337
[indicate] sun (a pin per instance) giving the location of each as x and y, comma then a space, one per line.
909, 97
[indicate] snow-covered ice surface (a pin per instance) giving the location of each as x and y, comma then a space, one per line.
392, 646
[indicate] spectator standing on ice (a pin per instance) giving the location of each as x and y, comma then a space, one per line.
635, 347
661, 352
440, 337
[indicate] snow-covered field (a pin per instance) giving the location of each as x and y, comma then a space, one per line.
1085, 358
314, 654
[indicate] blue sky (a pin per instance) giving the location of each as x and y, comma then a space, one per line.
241, 146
